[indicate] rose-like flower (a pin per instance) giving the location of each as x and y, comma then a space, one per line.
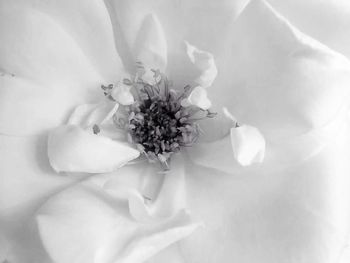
143, 122
270, 75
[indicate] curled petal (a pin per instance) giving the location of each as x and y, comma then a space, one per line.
204, 61
72, 149
248, 145
163, 195
84, 225
199, 98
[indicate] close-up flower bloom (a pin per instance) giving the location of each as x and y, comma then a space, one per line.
174, 131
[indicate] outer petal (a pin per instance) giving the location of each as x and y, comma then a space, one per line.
27, 108
45, 73
73, 149
88, 24
279, 153
26, 181
268, 214
181, 20
277, 78
94, 227
326, 20
204, 62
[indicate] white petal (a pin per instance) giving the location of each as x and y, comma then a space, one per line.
29, 108
248, 145
31, 180
163, 195
254, 209
26, 181
84, 225
121, 93
199, 98
86, 115
150, 46
204, 61
146, 247
278, 78
172, 196
4, 247
316, 18
52, 78
37, 27
72, 149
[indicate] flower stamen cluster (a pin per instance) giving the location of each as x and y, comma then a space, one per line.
156, 122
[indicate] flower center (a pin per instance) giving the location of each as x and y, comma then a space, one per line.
161, 126
156, 121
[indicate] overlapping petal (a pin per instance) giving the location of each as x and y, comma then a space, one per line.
269, 214
27, 180
81, 20
86, 115
310, 90
261, 97
101, 223
163, 194
58, 76
277, 78
326, 20
73, 149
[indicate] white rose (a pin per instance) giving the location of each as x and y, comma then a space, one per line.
293, 207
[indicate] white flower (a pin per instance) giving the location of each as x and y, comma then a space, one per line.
79, 146
55, 54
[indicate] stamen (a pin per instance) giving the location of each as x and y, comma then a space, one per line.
156, 122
